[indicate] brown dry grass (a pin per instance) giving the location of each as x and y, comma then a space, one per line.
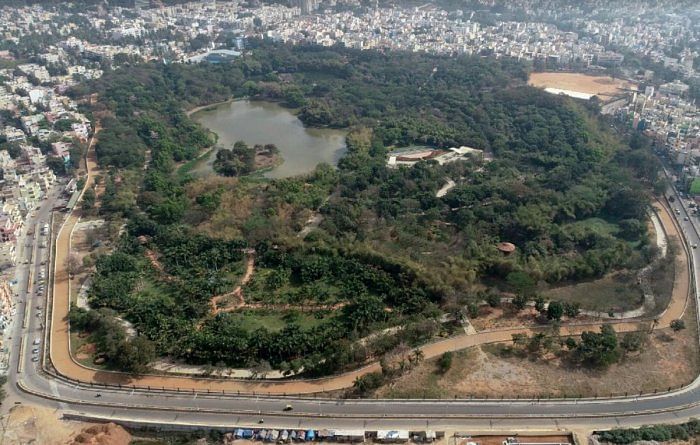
669, 360
236, 207
582, 83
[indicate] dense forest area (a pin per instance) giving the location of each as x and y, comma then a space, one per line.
387, 251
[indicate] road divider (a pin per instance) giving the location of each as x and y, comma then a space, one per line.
20, 356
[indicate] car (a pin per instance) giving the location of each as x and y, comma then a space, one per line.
39, 315
35, 358
35, 351
288, 407
685, 218
38, 307
37, 341
694, 246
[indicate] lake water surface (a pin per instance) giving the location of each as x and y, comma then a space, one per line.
258, 122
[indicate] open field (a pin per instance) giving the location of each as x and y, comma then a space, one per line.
616, 292
670, 359
581, 83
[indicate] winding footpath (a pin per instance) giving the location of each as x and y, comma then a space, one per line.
66, 366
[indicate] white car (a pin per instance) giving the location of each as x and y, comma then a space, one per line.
37, 341
35, 358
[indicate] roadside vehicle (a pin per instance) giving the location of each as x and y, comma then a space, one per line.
37, 341
288, 407
35, 358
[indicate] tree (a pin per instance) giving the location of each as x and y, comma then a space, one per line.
73, 264
520, 340
444, 363
366, 309
572, 310
521, 282
519, 302
599, 350
367, 383
539, 304
555, 310
260, 369
633, 341
88, 200
473, 310
493, 299
56, 164
678, 325
135, 355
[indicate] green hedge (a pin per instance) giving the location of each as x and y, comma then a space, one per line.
661, 433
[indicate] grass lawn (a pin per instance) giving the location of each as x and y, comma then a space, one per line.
598, 225
199, 166
82, 351
695, 187
276, 321
616, 291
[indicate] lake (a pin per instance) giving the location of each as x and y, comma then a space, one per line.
259, 122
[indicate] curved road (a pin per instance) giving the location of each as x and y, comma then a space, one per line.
207, 405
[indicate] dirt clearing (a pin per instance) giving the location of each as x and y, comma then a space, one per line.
670, 359
27, 424
580, 83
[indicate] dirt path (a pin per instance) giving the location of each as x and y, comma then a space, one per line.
237, 293
240, 303
65, 365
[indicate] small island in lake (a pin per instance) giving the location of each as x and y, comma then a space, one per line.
242, 159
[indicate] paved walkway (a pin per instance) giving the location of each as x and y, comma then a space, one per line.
65, 365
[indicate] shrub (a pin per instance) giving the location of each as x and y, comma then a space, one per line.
444, 363
493, 299
677, 325
367, 383
519, 302
572, 310
660, 433
555, 310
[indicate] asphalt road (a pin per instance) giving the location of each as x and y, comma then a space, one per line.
32, 385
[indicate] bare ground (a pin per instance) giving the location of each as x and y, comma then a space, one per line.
669, 360
582, 83
27, 424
